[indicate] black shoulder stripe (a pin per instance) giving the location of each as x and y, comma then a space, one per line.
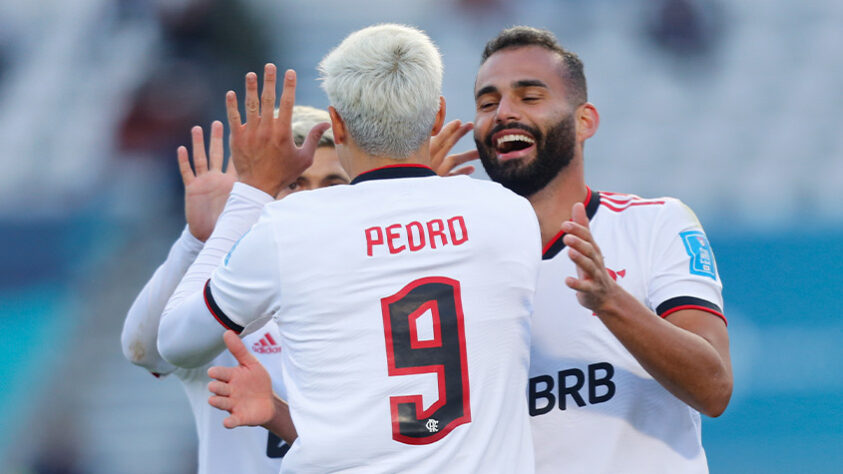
217, 312
688, 302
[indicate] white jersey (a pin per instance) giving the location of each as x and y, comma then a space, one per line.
593, 408
250, 449
220, 450
403, 303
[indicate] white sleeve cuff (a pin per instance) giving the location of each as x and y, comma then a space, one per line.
250, 193
189, 244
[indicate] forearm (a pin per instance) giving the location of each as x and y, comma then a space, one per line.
281, 423
140, 329
189, 336
688, 365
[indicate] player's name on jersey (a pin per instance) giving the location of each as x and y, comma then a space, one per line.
416, 235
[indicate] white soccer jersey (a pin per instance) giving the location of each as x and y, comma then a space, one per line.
222, 451
250, 449
593, 408
403, 303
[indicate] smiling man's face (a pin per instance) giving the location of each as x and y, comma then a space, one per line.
524, 125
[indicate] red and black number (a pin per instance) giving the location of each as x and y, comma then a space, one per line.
443, 354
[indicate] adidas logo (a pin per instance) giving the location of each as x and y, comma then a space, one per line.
266, 345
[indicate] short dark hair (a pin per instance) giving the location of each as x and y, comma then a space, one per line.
521, 36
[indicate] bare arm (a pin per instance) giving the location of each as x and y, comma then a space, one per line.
688, 352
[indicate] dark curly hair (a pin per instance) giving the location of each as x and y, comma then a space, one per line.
521, 36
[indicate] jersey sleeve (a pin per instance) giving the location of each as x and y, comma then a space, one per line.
189, 335
684, 272
140, 329
245, 289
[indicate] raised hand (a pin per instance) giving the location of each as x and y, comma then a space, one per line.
442, 143
244, 391
206, 190
262, 149
594, 285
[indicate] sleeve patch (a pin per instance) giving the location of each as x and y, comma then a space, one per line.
702, 258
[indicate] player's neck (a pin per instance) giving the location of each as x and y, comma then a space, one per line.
553, 203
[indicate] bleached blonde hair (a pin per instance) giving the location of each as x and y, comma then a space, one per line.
385, 82
305, 118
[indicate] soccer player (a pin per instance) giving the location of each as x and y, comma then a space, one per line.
622, 366
252, 449
403, 300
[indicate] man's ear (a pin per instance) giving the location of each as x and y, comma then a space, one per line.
439, 122
338, 127
588, 119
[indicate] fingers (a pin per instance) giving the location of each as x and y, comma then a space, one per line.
463, 157
223, 374
184, 166
583, 262
575, 284
232, 421
222, 403
219, 388
456, 135
579, 215
308, 148
232, 112
438, 143
238, 349
582, 231
466, 170
215, 151
200, 159
252, 102
268, 96
288, 100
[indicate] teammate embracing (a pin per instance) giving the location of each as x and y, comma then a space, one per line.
622, 366
403, 300
252, 449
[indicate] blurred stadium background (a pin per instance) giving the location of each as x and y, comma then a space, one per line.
735, 107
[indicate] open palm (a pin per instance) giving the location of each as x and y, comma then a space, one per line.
205, 190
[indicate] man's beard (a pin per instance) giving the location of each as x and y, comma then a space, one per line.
553, 153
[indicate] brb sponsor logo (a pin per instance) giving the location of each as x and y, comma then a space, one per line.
590, 387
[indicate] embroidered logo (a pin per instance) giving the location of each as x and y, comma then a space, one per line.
432, 425
698, 248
